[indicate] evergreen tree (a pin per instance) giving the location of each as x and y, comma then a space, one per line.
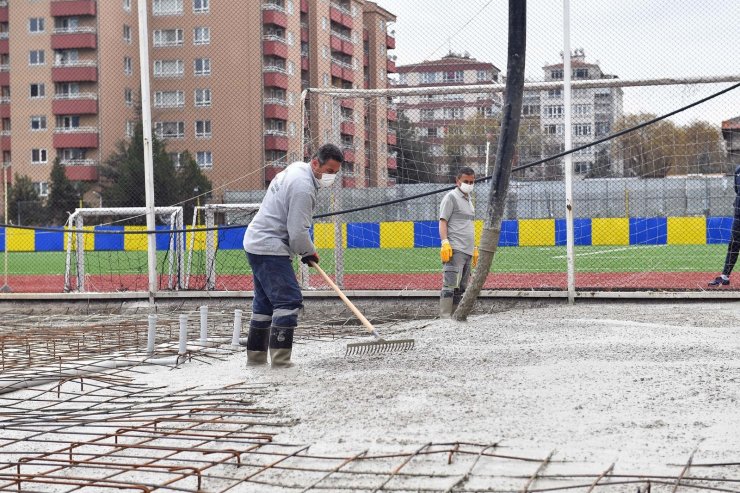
413, 157
191, 182
63, 195
25, 207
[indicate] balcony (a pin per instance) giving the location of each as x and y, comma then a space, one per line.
348, 181
304, 34
337, 15
305, 65
67, 8
275, 79
275, 46
349, 153
336, 69
273, 6
75, 104
77, 137
391, 140
347, 103
392, 163
347, 127
4, 141
390, 66
348, 74
276, 108
4, 111
276, 140
80, 169
390, 42
74, 39
275, 17
4, 78
304, 6
77, 71
4, 47
4, 12
392, 115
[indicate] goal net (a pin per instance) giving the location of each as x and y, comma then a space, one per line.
653, 207
107, 249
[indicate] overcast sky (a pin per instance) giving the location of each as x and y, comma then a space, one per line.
629, 38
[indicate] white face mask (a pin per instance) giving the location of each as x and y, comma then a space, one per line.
327, 179
466, 188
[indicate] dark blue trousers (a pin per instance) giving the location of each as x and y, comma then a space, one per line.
277, 301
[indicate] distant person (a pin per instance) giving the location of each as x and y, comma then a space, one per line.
734, 246
457, 232
279, 231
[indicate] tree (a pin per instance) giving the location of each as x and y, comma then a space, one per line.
463, 141
414, 159
24, 204
63, 194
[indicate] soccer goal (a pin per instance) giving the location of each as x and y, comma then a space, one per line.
652, 206
204, 243
107, 249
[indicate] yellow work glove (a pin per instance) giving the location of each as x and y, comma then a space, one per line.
475, 257
445, 253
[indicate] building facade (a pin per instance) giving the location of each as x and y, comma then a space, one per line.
731, 136
226, 82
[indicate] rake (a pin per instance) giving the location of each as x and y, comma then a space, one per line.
379, 345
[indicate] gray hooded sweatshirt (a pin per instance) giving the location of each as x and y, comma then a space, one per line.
281, 226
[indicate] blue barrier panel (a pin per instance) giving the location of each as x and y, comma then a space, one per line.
718, 230
509, 233
2, 239
648, 231
231, 239
109, 242
163, 239
581, 232
363, 235
426, 234
49, 241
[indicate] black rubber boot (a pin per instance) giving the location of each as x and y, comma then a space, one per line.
257, 343
281, 346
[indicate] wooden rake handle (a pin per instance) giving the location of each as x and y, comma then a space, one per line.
346, 300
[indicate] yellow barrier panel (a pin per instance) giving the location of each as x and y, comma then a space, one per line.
397, 234
135, 243
687, 230
323, 235
200, 239
536, 232
88, 239
21, 240
610, 231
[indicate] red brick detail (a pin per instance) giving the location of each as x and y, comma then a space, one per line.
276, 111
392, 115
348, 48
348, 182
390, 42
74, 107
304, 63
275, 79
83, 140
347, 103
4, 14
304, 35
304, 5
64, 8
391, 139
390, 66
73, 40
276, 143
367, 135
365, 35
81, 173
275, 48
4, 111
349, 155
335, 43
275, 17
347, 128
336, 70
74, 74
5, 143
4, 78
392, 163
347, 21
348, 74
335, 15
4, 46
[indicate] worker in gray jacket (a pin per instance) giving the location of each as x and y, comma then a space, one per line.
279, 231
457, 232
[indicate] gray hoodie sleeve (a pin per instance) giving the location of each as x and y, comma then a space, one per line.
300, 212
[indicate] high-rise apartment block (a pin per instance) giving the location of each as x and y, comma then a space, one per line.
226, 82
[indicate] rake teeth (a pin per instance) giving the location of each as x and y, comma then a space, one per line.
380, 346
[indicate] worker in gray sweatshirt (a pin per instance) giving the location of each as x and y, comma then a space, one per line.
279, 231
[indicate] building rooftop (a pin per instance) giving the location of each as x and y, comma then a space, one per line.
451, 61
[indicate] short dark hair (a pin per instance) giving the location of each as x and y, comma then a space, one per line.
465, 170
327, 152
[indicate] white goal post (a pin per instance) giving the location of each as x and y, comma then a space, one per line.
173, 216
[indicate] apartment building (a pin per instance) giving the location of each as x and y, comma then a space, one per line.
226, 81
436, 116
731, 136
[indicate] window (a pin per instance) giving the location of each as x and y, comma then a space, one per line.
580, 73
202, 97
602, 128
556, 74
432, 132
201, 35
168, 68
127, 33
38, 123
558, 129
127, 5
167, 7
202, 66
582, 109
203, 129
582, 167
42, 188
168, 37
582, 129
453, 76
427, 115
36, 57
38, 156
204, 159
130, 128
67, 89
324, 23
169, 99
553, 111
530, 110
453, 113
68, 122
128, 67
484, 76
176, 158
36, 24
128, 97
555, 93
72, 154
66, 57
68, 24
428, 77
170, 130
38, 90
200, 6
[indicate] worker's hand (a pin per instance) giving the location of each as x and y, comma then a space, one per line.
445, 252
314, 257
475, 257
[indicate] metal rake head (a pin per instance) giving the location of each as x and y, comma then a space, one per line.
379, 346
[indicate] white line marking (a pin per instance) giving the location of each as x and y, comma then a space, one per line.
600, 252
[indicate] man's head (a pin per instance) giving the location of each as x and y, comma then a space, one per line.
465, 179
327, 161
